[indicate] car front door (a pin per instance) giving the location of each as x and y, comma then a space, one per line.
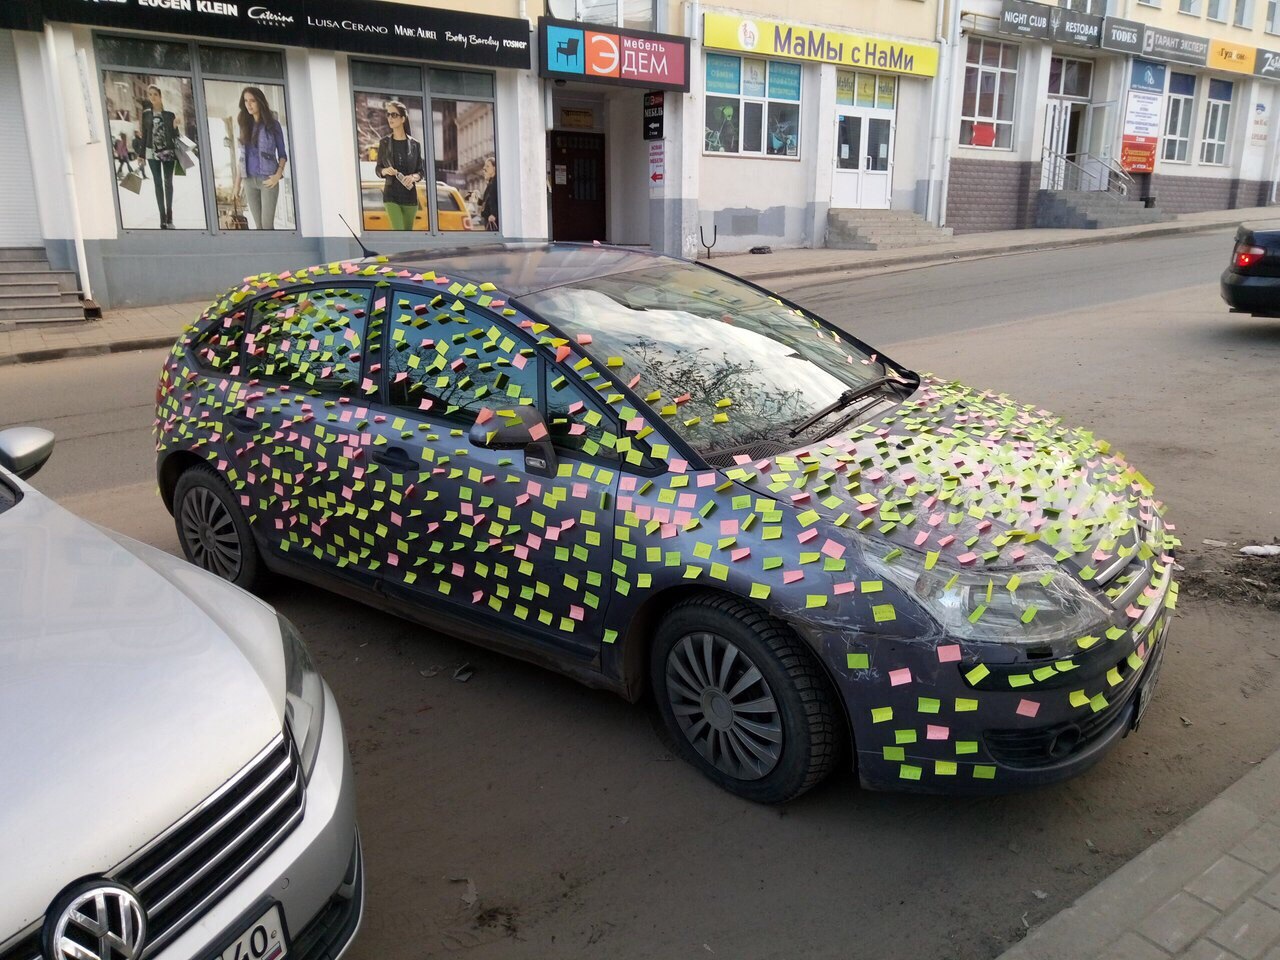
494, 537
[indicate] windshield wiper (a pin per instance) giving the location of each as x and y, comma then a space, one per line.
849, 397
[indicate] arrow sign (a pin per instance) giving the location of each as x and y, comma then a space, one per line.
657, 162
655, 176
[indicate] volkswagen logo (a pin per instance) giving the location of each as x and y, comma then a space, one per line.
95, 920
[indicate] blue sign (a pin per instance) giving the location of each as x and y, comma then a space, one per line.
565, 53
1147, 76
784, 81
724, 74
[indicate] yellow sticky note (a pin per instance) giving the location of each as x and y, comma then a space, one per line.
884, 612
977, 674
881, 714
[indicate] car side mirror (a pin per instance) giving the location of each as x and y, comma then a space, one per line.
24, 450
516, 428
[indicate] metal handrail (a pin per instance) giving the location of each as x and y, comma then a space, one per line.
1063, 173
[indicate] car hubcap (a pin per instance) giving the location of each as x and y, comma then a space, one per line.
209, 533
724, 706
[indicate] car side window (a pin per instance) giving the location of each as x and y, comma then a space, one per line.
574, 419
218, 347
451, 362
311, 337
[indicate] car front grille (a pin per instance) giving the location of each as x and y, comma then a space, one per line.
186, 869
191, 865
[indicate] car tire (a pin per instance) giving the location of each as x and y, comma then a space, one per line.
213, 530
742, 699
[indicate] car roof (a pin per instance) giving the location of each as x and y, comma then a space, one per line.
524, 268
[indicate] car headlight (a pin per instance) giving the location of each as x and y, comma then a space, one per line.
304, 696
1029, 605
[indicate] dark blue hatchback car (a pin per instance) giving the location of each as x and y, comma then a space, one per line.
653, 476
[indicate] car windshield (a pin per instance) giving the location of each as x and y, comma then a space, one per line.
721, 362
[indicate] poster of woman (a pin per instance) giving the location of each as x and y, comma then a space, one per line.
392, 163
156, 117
249, 138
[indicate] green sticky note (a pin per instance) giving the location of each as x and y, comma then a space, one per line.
1078, 698
871, 586
858, 661
928, 705
908, 772
983, 772
760, 591
965, 747
881, 714
977, 674
815, 600
895, 753
884, 613
944, 768
965, 705
905, 736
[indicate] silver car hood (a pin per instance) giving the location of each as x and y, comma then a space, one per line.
132, 685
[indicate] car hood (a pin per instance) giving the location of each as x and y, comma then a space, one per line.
132, 685
976, 478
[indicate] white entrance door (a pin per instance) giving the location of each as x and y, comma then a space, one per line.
864, 159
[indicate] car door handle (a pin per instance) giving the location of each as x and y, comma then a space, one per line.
395, 457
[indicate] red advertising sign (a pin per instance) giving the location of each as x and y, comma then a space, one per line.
626, 57
1138, 154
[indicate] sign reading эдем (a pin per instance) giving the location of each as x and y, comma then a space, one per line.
777, 38
568, 50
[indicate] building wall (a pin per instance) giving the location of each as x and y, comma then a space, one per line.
992, 195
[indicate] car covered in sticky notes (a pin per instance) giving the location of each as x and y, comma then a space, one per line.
664, 481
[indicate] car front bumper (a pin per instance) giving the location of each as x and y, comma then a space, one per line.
1251, 294
315, 874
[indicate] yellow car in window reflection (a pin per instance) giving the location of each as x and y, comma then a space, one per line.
453, 211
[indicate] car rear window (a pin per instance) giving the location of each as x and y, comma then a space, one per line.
312, 338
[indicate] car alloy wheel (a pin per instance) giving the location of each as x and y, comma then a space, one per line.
209, 533
724, 706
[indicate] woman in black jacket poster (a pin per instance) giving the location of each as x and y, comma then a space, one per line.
400, 165
160, 147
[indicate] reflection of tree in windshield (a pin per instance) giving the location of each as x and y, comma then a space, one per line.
754, 408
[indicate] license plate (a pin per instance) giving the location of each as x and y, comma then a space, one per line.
1147, 687
264, 940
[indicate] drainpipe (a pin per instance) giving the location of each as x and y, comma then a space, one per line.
54, 79
938, 143
953, 43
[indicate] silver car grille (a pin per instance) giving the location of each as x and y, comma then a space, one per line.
191, 865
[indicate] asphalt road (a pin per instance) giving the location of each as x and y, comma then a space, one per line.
518, 815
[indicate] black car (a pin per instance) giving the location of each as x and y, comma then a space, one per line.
1251, 282
653, 476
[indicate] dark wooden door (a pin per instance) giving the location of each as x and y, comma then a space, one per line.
577, 185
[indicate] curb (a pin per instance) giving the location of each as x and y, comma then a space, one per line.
91, 350
947, 256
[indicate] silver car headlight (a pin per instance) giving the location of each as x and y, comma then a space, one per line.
1029, 605
304, 696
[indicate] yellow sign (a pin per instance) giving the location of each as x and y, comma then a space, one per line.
775, 38
1231, 56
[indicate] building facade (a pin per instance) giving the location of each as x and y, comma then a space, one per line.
164, 148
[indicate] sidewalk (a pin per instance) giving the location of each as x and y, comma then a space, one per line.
142, 328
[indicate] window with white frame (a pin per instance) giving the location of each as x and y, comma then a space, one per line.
1097, 8
1244, 13
1217, 117
1177, 120
1070, 78
990, 82
1273, 16
1191, 7
752, 106
1149, 3
1218, 10
634, 14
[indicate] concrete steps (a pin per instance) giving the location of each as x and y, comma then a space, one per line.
32, 292
851, 229
1092, 210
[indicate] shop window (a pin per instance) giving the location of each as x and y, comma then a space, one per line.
1217, 10
752, 106
1177, 122
402, 149
990, 85
1244, 14
1273, 16
865, 90
1097, 8
1070, 78
195, 130
631, 14
1217, 118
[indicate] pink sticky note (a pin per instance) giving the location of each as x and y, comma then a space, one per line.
791, 576
967, 558
806, 535
950, 653
849, 586
484, 416
628, 484
679, 466
706, 479
425, 405
900, 676
935, 732
833, 549
576, 612
456, 569
728, 528
579, 490
1028, 708
584, 339
740, 554
519, 361
538, 431
1134, 613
